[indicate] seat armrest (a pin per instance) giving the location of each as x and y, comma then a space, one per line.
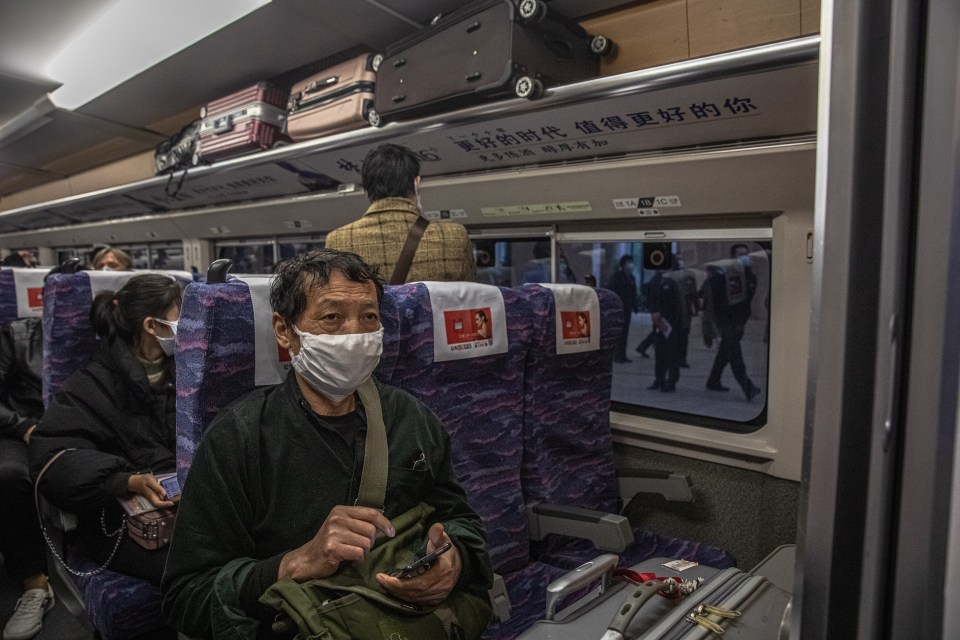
61, 520
599, 569
607, 531
499, 599
675, 487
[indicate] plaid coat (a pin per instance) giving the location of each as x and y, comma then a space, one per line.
444, 252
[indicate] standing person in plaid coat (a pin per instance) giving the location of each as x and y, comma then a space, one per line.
391, 179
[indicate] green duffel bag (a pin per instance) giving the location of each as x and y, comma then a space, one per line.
351, 604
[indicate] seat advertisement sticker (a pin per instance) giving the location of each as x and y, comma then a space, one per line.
578, 317
469, 320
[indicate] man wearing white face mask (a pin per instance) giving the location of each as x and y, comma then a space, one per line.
391, 179
274, 483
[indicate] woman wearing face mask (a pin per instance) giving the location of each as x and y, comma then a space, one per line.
116, 415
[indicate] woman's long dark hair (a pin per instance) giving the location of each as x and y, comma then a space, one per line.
120, 315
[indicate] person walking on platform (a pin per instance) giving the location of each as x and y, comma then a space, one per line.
732, 287
664, 304
391, 179
624, 285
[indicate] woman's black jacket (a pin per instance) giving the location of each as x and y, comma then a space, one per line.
117, 423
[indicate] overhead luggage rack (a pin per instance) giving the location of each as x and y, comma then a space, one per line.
762, 93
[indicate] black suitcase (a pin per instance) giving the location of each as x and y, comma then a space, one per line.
490, 48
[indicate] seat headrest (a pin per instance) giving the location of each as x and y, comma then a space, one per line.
27, 291
469, 320
272, 361
577, 309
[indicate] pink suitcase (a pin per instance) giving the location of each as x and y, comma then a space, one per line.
335, 100
243, 122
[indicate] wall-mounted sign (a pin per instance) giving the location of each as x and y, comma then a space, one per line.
581, 206
445, 214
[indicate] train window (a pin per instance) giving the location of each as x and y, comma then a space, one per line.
65, 254
140, 254
508, 262
249, 257
291, 247
696, 346
166, 256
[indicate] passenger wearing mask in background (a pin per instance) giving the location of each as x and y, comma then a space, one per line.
116, 419
391, 179
21, 407
624, 285
112, 259
258, 507
731, 320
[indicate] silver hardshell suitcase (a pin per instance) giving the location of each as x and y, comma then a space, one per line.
729, 603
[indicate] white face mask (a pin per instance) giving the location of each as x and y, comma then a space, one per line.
337, 364
167, 343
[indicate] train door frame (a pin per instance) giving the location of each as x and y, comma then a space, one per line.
880, 461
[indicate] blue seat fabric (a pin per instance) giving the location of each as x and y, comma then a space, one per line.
120, 606
568, 448
8, 297
480, 401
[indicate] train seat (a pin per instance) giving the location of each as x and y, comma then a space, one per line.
472, 378
68, 336
226, 348
568, 459
119, 606
21, 293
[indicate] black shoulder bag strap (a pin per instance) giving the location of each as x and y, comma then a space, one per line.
373, 478
409, 249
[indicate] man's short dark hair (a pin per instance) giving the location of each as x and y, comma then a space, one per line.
624, 259
739, 245
389, 171
297, 276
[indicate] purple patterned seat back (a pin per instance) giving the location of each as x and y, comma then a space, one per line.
480, 401
568, 449
567, 445
8, 297
68, 336
216, 358
120, 606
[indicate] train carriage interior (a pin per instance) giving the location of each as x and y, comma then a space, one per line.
768, 187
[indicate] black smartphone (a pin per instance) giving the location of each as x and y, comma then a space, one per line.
172, 486
420, 566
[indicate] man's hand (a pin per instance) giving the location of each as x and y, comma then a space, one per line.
147, 485
347, 534
433, 586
